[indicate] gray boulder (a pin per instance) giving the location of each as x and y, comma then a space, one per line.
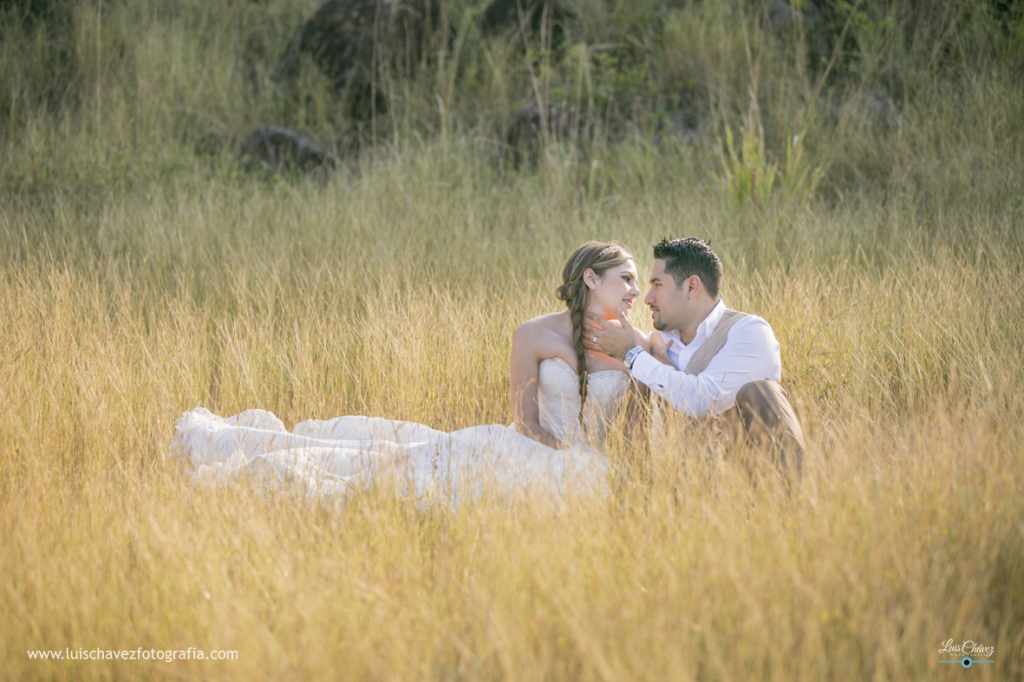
274, 150
783, 18
504, 15
346, 38
815, 21
535, 125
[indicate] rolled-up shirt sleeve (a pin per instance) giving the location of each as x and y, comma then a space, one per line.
751, 352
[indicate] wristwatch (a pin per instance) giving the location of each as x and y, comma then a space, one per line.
631, 355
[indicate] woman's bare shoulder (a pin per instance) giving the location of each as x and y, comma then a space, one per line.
545, 336
543, 326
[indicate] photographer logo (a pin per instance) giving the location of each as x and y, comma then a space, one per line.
968, 653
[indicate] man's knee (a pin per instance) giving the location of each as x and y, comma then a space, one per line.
757, 398
754, 390
768, 418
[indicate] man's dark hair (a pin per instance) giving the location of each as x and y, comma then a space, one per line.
687, 257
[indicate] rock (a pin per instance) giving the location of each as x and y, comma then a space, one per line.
872, 107
533, 123
339, 38
277, 149
503, 15
815, 21
783, 18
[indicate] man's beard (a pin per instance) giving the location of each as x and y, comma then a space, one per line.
659, 325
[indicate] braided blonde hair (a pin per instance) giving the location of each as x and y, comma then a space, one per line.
599, 257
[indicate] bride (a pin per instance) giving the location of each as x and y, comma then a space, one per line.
565, 399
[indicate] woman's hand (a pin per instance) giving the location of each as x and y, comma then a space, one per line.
611, 339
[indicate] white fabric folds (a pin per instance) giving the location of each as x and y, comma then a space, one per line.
334, 456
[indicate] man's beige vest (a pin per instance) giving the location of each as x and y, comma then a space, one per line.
709, 349
699, 362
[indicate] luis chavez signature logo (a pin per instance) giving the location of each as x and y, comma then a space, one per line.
967, 652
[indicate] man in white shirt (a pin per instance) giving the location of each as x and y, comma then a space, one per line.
707, 360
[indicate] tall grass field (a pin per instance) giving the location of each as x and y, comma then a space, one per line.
143, 273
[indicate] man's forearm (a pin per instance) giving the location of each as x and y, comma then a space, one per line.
752, 352
683, 391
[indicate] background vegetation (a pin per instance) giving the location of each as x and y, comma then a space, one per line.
143, 274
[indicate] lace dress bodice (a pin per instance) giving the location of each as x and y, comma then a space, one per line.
558, 397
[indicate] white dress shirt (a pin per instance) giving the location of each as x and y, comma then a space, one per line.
750, 352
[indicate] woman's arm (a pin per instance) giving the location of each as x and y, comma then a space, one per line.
524, 375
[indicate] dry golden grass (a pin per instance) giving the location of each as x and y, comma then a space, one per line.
905, 532
138, 281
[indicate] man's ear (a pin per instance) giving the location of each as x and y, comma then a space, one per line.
693, 285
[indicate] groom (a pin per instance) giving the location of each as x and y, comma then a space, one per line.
707, 360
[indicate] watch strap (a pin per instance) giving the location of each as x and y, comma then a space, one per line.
631, 356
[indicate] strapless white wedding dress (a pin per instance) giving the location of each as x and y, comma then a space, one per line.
332, 457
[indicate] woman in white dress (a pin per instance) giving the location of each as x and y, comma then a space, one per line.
564, 399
